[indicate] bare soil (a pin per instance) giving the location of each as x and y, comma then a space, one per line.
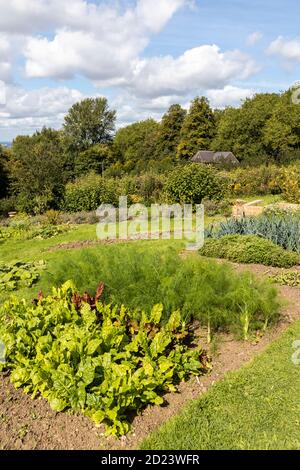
116, 241
31, 424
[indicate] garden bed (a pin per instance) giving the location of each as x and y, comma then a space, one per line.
29, 424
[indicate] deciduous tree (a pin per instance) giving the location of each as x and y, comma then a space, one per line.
90, 122
198, 129
38, 170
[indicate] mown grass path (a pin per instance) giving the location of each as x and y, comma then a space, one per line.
257, 407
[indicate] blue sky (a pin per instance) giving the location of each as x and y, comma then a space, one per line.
143, 55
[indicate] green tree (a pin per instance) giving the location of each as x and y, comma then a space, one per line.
90, 122
282, 131
95, 159
38, 170
170, 131
3, 172
241, 130
135, 145
198, 129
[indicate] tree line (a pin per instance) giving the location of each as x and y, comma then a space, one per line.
264, 129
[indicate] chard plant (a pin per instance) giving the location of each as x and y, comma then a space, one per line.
101, 360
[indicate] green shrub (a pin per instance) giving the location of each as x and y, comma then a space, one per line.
149, 187
192, 183
289, 179
96, 359
252, 181
140, 278
7, 205
88, 193
145, 188
249, 249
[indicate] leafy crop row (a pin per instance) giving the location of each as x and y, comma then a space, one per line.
22, 229
290, 278
282, 229
202, 290
14, 276
101, 360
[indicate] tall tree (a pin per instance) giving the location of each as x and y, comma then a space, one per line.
90, 122
170, 130
198, 129
282, 131
241, 130
135, 145
38, 170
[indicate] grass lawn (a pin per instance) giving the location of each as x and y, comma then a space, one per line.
257, 407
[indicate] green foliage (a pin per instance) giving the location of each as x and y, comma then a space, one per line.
22, 228
89, 122
145, 188
7, 205
98, 359
192, 183
249, 249
202, 290
88, 193
253, 181
282, 228
14, 276
198, 129
38, 170
170, 131
94, 159
282, 131
3, 172
265, 127
241, 130
289, 182
135, 145
290, 278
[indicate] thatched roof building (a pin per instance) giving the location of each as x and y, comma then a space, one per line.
209, 157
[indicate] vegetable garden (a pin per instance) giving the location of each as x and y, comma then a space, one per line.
155, 321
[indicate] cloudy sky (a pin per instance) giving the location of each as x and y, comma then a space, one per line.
143, 55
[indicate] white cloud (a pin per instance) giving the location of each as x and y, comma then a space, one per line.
254, 38
5, 64
288, 50
97, 41
131, 108
31, 110
197, 70
36, 16
104, 42
228, 96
